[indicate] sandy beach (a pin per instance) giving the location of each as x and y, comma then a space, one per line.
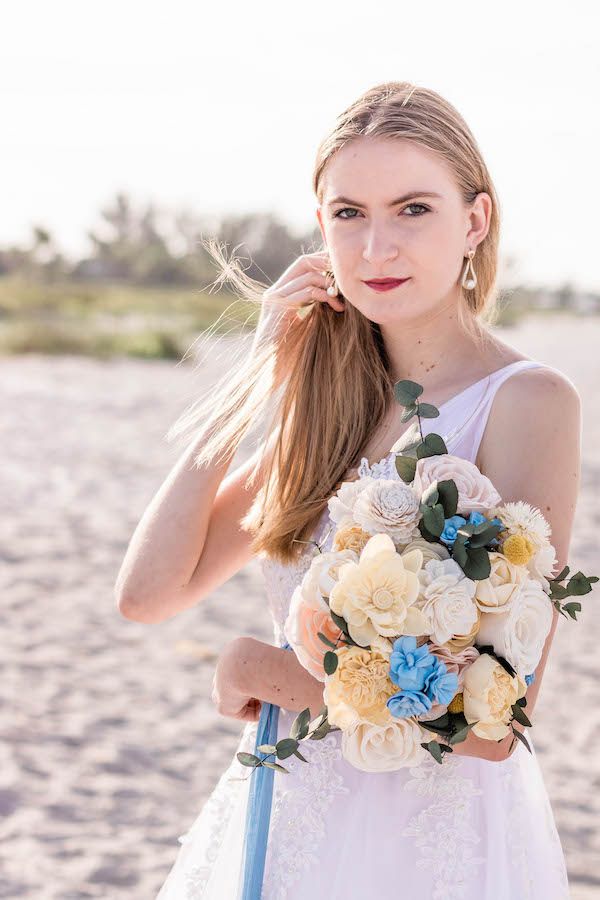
109, 741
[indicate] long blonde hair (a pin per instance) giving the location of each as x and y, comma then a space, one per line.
328, 385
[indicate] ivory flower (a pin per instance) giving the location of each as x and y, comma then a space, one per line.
388, 506
522, 518
384, 748
377, 595
447, 599
359, 688
429, 550
488, 694
476, 493
341, 504
495, 593
520, 633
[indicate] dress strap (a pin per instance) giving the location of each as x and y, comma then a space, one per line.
471, 431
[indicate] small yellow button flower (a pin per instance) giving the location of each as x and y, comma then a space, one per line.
518, 549
456, 705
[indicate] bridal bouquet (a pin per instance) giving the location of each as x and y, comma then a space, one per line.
430, 612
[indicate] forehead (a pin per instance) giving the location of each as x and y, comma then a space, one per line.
376, 168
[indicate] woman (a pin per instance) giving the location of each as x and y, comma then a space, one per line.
403, 194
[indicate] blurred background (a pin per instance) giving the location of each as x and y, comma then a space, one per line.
130, 132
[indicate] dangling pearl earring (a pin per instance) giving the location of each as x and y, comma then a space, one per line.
332, 290
469, 283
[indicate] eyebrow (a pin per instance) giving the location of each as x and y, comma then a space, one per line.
410, 196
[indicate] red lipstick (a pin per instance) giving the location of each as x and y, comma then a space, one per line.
385, 284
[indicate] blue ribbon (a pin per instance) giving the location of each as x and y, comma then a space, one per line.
258, 813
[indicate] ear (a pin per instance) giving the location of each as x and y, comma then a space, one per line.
320, 218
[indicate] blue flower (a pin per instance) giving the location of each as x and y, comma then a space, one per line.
409, 664
408, 703
476, 518
441, 685
451, 526
529, 679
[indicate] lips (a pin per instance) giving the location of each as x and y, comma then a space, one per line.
385, 284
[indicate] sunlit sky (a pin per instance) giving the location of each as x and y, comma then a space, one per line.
219, 108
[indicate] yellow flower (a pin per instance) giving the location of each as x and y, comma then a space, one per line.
518, 549
488, 694
359, 688
456, 705
350, 537
377, 595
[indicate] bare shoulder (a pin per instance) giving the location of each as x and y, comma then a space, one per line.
535, 418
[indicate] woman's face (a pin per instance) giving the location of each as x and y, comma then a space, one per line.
423, 238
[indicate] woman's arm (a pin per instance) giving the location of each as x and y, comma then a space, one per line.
531, 451
188, 541
249, 668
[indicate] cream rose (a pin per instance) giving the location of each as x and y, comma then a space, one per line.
309, 613
520, 633
476, 493
359, 688
341, 504
388, 506
495, 593
384, 748
488, 694
446, 598
377, 595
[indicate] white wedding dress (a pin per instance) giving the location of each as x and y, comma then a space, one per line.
468, 829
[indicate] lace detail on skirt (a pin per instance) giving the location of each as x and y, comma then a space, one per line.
444, 830
298, 815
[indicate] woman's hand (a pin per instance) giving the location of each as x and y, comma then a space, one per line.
301, 284
228, 692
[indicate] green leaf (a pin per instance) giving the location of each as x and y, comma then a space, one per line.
299, 728
428, 411
430, 495
248, 759
448, 497
321, 732
459, 553
408, 413
299, 755
339, 621
435, 750
432, 445
558, 591
578, 585
330, 662
461, 735
325, 639
406, 391
561, 575
433, 517
267, 748
446, 748
572, 608
406, 467
519, 715
521, 737
477, 566
277, 767
285, 747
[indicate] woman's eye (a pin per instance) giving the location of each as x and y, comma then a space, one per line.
421, 206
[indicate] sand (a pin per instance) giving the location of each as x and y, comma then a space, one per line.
109, 740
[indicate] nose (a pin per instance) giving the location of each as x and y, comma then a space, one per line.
379, 247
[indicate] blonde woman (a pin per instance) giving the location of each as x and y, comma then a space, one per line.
404, 197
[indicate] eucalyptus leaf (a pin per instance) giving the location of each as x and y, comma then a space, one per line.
430, 495
477, 566
578, 585
448, 496
522, 738
406, 391
433, 518
435, 750
248, 759
325, 639
428, 411
299, 728
267, 748
299, 755
519, 715
461, 735
406, 467
285, 747
408, 413
321, 732
459, 553
277, 767
330, 662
